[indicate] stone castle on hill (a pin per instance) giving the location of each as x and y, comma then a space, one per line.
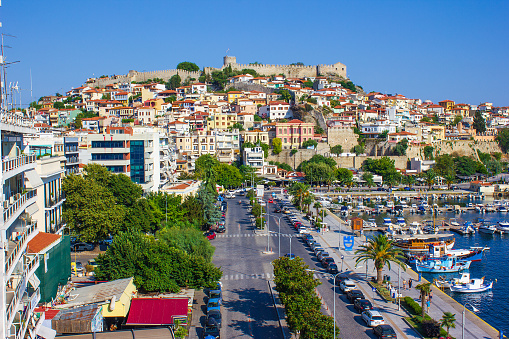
291, 71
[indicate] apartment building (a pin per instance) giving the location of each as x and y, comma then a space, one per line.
72, 156
227, 145
222, 121
19, 290
254, 157
197, 144
136, 155
294, 132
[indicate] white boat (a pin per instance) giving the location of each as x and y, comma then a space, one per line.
487, 228
502, 209
467, 285
503, 227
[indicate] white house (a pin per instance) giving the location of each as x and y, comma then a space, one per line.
178, 126
372, 130
276, 110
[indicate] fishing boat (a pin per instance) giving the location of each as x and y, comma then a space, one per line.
471, 286
502, 209
441, 251
442, 265
419, 243
467, 228
503, 227
487, 228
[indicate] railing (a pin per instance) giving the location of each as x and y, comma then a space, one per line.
10, 164
9, 211
21, 288
73, 160
20, 245
25, 319
15, 119
57, 228
53, 200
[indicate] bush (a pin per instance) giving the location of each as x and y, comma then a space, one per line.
260, 223
413, 306
293, 151
430, 327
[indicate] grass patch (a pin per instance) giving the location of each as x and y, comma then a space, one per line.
383, 291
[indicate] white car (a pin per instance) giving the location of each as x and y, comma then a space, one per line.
303, 230
347, 285
372, 318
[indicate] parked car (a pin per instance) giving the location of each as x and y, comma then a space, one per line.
372, 318
347, 285
291, 256
362, 305
93, 263
303, 230
211, 331
323, 254
353, 295
384, 331
326, 261
277, 210
213, 304
216, 294
210, 235
317, 249
332, 268
82, 246
214, 318
220, 229
338, 279
271, 201
79, 266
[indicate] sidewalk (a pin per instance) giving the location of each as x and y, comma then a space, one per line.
441, 302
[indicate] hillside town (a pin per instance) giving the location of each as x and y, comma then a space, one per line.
188, 145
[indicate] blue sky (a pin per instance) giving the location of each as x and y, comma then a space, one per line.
423, 49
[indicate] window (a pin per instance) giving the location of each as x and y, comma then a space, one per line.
285, 140
203, 148
107, 144
211, 148
107, 156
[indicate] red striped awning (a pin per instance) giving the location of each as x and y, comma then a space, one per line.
156, 311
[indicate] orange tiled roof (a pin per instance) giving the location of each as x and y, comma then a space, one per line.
41, 241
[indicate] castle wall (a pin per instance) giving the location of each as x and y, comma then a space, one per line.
144, 76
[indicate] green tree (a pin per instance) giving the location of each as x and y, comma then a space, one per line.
392, 178
450, 178
309, 142
344, 176
425, 119
503, 139
382, 251
174, 82
299, 190
383, 135
140, 218
465, 166
319, 130
189, 240
401, 147
338, 149
238, 126
424, 288
448, 321
90, 209
308, 200
228, 176
171, 98
408, 180
368, 178
430, 177
277, 145
457, 120
428, 152
479, 123
285, 95
358, 149
207, 198
205, 167
58, 105
155, 265
188, 66
77, 121
494, 167
444, 164
257, 118
317, 172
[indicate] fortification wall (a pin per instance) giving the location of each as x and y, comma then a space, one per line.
343, 136
144, 76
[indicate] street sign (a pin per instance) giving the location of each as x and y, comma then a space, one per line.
348, 241
373, 289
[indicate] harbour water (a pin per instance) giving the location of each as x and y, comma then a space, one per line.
493, 306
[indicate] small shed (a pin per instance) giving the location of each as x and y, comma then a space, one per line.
357, 224
85, 319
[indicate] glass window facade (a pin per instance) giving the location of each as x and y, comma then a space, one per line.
107, 156
115, 169
107, 144
137, 161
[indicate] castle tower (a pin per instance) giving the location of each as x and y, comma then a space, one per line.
229, 60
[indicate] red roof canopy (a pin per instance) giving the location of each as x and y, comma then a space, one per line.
152, 311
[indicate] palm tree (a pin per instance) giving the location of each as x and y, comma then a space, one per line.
368, 178
382, 251
450, 178
317, 205
409, 180
448, 320
299, 192
430, 177
425, 288
307, 200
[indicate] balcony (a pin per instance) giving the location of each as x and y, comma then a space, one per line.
16, 206
19, 248
54, 200
28, 271
12, 164
25, 318
72, 160
57, 228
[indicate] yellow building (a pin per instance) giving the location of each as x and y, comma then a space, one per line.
222, 121
446, 104
437, 132
234, 95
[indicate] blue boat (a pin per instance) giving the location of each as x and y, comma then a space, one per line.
442, 265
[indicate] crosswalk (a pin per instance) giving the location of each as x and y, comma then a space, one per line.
266, 276
247, 235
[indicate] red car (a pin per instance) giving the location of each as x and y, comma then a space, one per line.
271, 201
210, 235
297, 225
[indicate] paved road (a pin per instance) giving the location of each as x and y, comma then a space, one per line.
349, 322
248, 309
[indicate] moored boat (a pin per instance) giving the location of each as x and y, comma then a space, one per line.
419, 243
442, 265
471, 286
487, 228
503, 227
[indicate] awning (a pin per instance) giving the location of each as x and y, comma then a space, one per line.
46, 332
34, 178
152, 311
32, 209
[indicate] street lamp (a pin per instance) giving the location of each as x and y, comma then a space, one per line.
342, 261
279, 230
334, 297
463, 318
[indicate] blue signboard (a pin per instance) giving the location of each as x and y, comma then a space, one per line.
348, 241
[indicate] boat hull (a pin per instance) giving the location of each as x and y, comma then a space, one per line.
465, 289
